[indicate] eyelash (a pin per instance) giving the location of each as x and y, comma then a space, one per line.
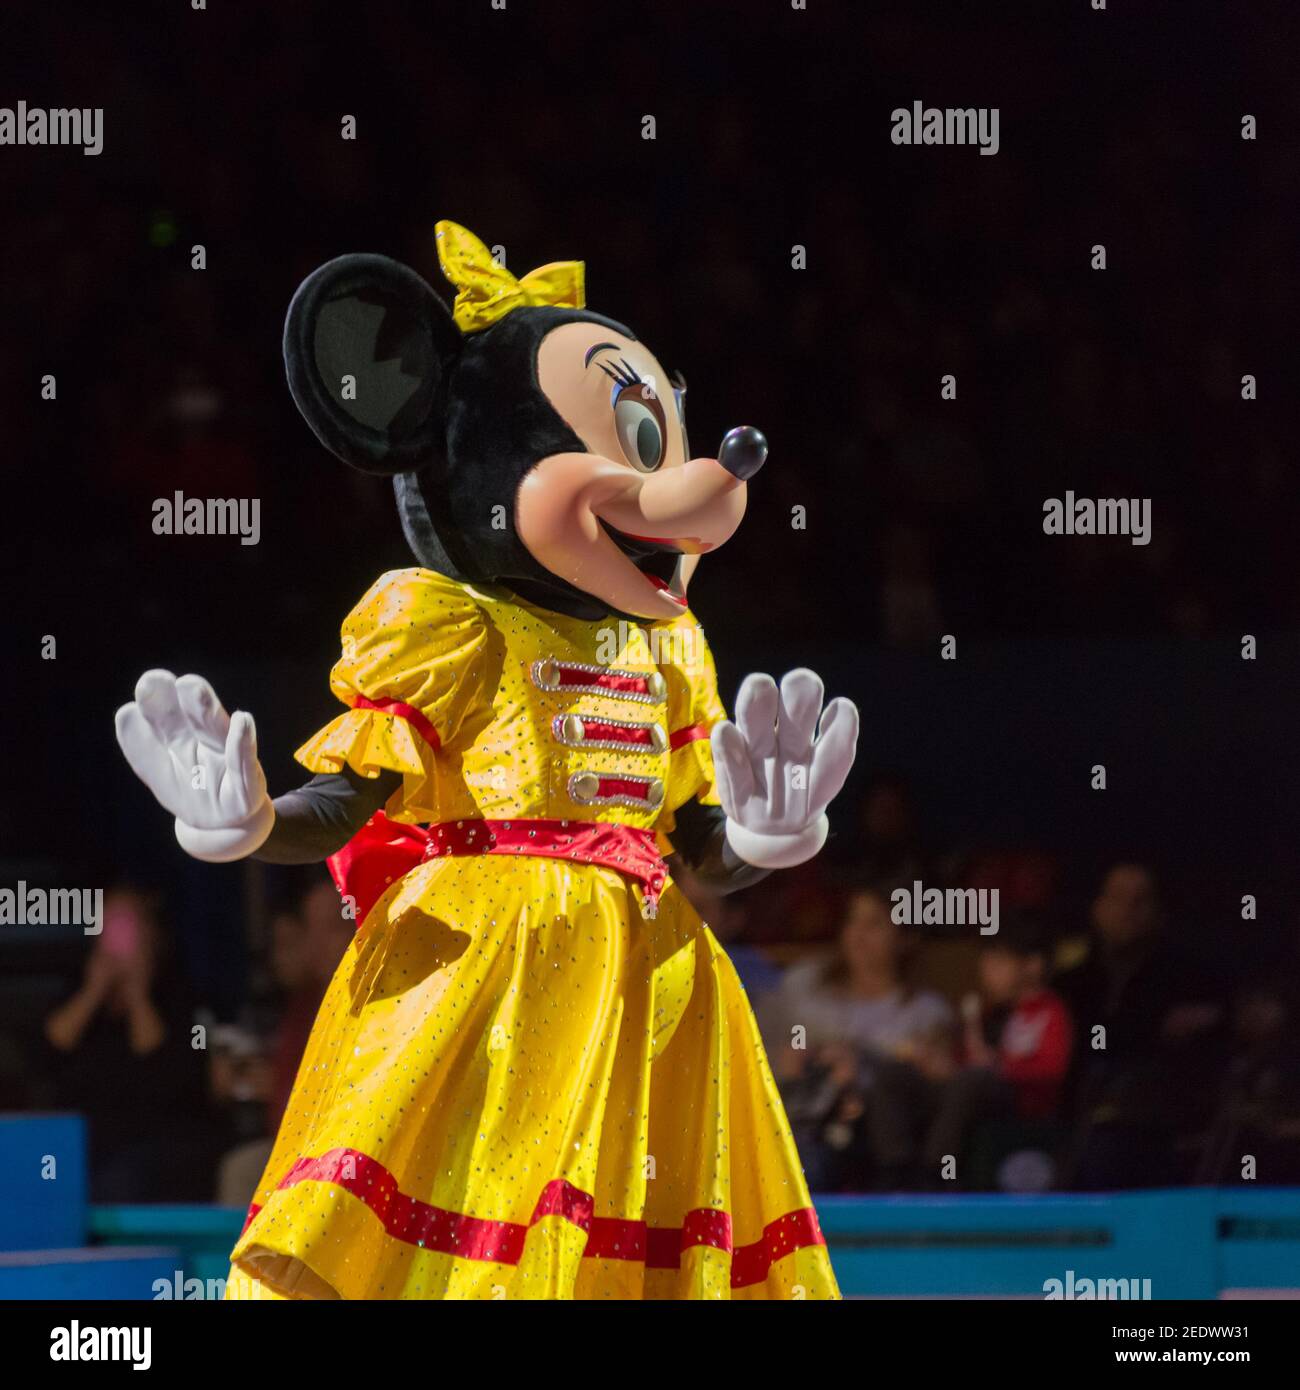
625, 373
623, 376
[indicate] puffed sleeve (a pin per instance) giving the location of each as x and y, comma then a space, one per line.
694, 707
411, 672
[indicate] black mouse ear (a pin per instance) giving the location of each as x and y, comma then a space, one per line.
367, 348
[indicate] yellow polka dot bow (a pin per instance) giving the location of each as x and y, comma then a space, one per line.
486, 291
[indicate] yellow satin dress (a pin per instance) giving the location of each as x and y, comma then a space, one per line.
519, 1085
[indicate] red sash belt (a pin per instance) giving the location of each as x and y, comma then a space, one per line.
382, 851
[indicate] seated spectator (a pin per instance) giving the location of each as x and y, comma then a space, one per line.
118, 980
1259, 1110
1033, 1030
305, 973
244, 1075
306, 948
1015, 1054
1134, 979
1150, 1023
850, 1041
122, 1053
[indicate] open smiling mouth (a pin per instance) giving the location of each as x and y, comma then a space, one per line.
659, 561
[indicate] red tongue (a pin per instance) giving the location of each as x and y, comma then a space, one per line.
663, 584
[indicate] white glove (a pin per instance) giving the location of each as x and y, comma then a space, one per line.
774, 778
201, 764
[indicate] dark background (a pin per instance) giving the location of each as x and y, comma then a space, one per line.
1121, 127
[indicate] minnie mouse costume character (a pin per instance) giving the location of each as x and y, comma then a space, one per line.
535, 1074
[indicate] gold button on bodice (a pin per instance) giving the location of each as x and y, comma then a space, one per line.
584, 787
656, 685
654, 793
572, 729
659, 738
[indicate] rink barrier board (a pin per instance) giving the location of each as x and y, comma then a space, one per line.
43, 1196
1199, 1243
1191, 1243
87, 1274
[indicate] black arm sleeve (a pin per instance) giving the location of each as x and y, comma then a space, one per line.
700, 840
322, 816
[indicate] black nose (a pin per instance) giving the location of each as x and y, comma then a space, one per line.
743, 452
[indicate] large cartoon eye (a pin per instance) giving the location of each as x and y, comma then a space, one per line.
639, 420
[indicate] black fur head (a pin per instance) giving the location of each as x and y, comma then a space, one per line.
390, 385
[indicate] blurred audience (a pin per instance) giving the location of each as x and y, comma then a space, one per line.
122, 1050
1006, 1085
1129, 1065
1016, 1026
1151, 1023
306, 948
849, 1037
1256, 1130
